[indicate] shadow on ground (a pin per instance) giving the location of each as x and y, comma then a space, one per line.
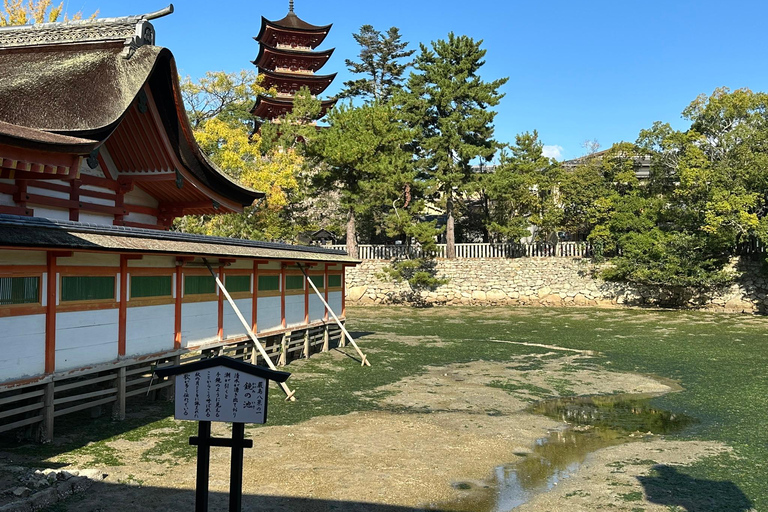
666, 485
110, 497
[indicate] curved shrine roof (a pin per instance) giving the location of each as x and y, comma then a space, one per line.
72, 96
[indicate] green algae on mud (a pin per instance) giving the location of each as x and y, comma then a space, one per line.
720, 360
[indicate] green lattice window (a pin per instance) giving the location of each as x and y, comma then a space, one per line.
19, 290
319, 281
151, 286
87, 288
199, 285
269, 283
334, 281
294, 282
238, 283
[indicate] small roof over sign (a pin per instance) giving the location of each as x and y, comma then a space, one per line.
233, 364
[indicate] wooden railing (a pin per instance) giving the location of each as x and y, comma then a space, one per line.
478, 250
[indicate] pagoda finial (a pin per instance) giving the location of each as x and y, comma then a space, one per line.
290, 5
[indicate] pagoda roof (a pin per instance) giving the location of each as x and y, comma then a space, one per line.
272, 31
292, 22
267, 54
316, 83
68, 87
268, 107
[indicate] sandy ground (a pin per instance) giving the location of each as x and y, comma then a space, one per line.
455, 429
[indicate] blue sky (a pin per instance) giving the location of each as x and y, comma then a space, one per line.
577, 71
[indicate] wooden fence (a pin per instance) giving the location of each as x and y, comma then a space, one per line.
478, 250
511, 250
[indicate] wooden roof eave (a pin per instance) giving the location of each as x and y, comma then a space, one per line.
314, 55
186, 127
298, 76
309, 29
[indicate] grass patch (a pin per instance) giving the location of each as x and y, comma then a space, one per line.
513, 387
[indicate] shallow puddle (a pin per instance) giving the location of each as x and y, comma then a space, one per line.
595, 423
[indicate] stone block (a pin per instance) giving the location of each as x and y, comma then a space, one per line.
356, 293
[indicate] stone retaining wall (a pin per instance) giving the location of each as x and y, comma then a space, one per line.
547, 282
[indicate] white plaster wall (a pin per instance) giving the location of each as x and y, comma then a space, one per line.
149, 329
142, 218
86, 337
199, 322
334, 300
22, 346
48, 193
96, 218
7, 200
294, 310
50, 213
268, 316
316, 308
140, 198
232, 325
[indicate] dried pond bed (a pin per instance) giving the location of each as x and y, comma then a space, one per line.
424, 437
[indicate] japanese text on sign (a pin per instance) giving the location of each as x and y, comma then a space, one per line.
221, 394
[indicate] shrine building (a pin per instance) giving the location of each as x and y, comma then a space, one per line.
97, 158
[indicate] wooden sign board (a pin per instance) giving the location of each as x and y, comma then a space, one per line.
221, 393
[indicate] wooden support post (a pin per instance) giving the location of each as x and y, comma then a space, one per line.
119, 409
254, 354
48, 413
236, 468
364, 359
50, 316
306, 343
326, 337
220, 300
203, 465
177, 309
282, 295
284, 349
288, 393
325, 290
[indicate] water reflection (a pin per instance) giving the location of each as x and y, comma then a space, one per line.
595, 423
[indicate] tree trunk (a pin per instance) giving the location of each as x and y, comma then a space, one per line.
450, 234
352, 235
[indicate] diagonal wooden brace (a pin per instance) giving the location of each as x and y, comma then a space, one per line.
288, 393
328, 308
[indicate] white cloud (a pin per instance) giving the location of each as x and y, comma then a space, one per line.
555, 152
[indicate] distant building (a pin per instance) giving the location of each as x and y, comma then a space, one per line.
642, 164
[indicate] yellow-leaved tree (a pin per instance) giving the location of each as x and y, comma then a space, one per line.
218, 106
21, 12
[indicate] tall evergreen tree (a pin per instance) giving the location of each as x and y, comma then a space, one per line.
520, 192
450, 106
381, 64
363, 157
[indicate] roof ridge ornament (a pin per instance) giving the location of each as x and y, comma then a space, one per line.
290, 5
134, 31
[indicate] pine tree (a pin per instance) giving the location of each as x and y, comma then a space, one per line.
380, 62
363, 158
450, 106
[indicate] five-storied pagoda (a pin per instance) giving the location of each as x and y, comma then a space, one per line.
288, 61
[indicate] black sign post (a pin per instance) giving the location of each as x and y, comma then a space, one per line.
221, 389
